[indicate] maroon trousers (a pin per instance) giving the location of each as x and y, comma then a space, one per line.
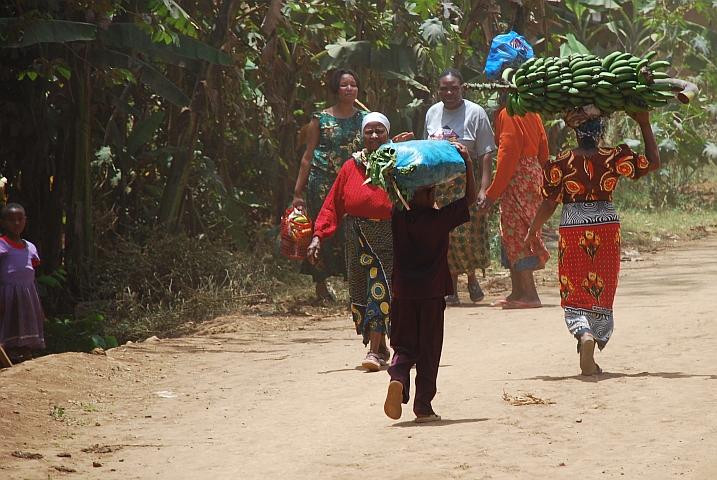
417, 339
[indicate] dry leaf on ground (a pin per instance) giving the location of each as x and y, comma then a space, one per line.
525, 399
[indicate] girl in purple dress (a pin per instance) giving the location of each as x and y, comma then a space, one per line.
21, 314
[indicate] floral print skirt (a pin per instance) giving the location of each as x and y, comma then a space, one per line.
588, 267
518, 205
469, 244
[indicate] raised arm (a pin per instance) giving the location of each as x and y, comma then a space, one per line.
313, 135
651, 151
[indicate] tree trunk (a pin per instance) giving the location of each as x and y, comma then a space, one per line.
79, 236
168, 216
171, 204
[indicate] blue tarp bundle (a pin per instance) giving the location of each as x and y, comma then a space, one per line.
426, 162
507, 50
401, 168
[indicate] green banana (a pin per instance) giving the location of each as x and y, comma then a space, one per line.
621, 70
507, 74
607, 61
659, 64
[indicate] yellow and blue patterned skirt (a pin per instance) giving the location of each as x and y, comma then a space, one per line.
369, 261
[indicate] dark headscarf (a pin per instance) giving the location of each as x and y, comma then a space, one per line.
589, 124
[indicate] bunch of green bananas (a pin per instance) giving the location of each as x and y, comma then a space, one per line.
620, 81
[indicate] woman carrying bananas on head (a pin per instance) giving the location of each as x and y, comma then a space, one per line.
366, 210
522, 150
583, 179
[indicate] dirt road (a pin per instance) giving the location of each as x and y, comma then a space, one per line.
292, 403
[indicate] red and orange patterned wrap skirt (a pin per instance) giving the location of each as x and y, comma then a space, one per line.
518, 205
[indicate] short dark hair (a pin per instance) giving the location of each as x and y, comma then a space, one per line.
451, 72
336, 79
11, 206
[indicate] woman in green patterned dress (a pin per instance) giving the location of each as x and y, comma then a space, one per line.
333, 136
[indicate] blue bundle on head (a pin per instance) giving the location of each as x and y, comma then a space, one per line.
507, 50
401, 168
420, 163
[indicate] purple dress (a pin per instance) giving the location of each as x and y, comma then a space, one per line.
21, 324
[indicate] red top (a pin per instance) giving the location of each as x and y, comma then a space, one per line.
516, 137
350, 196
573, 178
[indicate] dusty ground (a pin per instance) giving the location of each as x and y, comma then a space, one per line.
275, 398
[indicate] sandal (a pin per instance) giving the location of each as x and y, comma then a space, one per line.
328, 298
587, 362
475, 292
453, 300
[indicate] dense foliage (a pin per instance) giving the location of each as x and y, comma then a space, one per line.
119, 118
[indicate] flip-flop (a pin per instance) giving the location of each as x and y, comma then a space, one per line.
329, 298
516, 305
587, 351
430, 418
394, 398
498, 303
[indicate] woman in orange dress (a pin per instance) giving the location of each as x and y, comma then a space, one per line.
583, 180
522, 150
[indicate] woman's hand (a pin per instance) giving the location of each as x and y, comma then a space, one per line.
463, 150
299, 203
530, 239
312, 252
640, 118
485, 205
402, 137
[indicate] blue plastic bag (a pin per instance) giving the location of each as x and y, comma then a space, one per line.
425, 162
507, 50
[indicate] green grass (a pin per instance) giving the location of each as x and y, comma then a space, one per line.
665, 227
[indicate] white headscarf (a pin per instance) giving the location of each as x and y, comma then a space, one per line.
376, 117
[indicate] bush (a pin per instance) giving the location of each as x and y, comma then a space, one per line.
157, 287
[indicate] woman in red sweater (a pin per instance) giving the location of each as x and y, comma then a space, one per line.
369, 242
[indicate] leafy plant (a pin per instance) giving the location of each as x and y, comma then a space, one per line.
70, 335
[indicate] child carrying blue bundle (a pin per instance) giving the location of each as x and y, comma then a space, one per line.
402, 168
